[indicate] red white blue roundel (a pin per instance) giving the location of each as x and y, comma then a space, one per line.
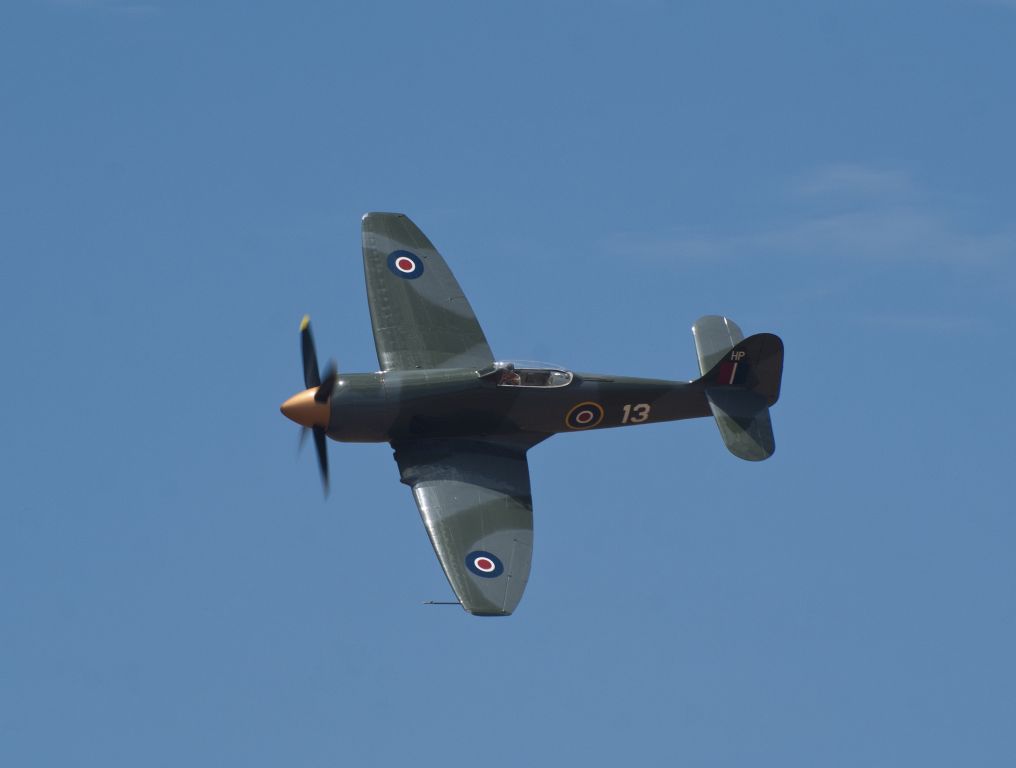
584, 416
405, 264
484, 564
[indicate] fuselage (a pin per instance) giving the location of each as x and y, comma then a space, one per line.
395, 405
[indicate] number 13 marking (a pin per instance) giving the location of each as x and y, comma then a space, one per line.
635, 414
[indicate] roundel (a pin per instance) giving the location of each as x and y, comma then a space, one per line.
484, 564
405, 264
584, 416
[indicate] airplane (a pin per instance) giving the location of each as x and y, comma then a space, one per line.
460, 421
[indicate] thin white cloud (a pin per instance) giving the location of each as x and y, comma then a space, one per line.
125, 7
855, 214
899, 234
855, 181
923, 322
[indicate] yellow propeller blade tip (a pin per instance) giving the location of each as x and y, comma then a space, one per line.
305, 322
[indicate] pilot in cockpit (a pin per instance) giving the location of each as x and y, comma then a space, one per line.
510, 377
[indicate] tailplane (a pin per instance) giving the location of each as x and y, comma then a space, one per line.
741, 379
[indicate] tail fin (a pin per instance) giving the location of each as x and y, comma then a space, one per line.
741, 379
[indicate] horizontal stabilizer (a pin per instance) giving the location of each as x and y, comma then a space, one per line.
741, 378
744, 423
714, 336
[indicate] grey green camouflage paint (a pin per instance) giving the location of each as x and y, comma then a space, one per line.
460, 439
420, 321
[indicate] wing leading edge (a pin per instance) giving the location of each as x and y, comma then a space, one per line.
420, 316
477, 506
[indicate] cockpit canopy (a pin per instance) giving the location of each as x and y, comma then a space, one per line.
526, 373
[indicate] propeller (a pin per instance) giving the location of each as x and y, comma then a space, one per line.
311, 378
327, 385
322, 455
306, 408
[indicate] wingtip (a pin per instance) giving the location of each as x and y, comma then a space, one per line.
379, 214
304, 323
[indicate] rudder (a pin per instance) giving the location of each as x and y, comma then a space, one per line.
741, 379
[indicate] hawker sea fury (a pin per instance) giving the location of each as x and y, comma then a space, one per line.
461, 422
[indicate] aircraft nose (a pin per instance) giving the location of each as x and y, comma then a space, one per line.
306, 411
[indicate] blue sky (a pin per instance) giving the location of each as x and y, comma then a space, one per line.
182, 181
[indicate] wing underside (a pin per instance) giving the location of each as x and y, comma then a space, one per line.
475, 500
420, 316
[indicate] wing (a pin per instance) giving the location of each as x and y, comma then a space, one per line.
476, 504
420, 316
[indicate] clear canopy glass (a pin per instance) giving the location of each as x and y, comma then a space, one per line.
526, 373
